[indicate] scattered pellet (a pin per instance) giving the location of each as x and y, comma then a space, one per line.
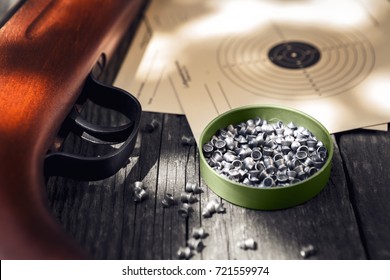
140, 193
195, 244
185, 210
187, 140
307, 251
213, 206
188, 197
184, 253
246, 244
168, 200
153, 125
193, 187
199, 233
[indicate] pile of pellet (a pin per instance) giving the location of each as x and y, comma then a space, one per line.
263, 154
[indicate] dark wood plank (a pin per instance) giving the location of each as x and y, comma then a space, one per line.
170, 226
366, 157
327, 222
104, 218
138, 218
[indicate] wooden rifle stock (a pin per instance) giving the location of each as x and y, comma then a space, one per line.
47, 50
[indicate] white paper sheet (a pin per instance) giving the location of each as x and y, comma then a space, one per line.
206, 57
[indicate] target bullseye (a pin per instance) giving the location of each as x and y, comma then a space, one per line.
294, 55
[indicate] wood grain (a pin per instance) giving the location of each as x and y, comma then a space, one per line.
148, 231
366, 157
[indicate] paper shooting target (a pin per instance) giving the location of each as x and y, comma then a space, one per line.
288, 62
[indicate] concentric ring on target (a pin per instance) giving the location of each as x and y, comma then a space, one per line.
295, 63
294, 55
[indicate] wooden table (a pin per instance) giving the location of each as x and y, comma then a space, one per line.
349, 219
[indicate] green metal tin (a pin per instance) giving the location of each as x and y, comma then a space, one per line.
275, 197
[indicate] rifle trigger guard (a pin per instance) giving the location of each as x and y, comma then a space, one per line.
101, 95
99, 134
97, 168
